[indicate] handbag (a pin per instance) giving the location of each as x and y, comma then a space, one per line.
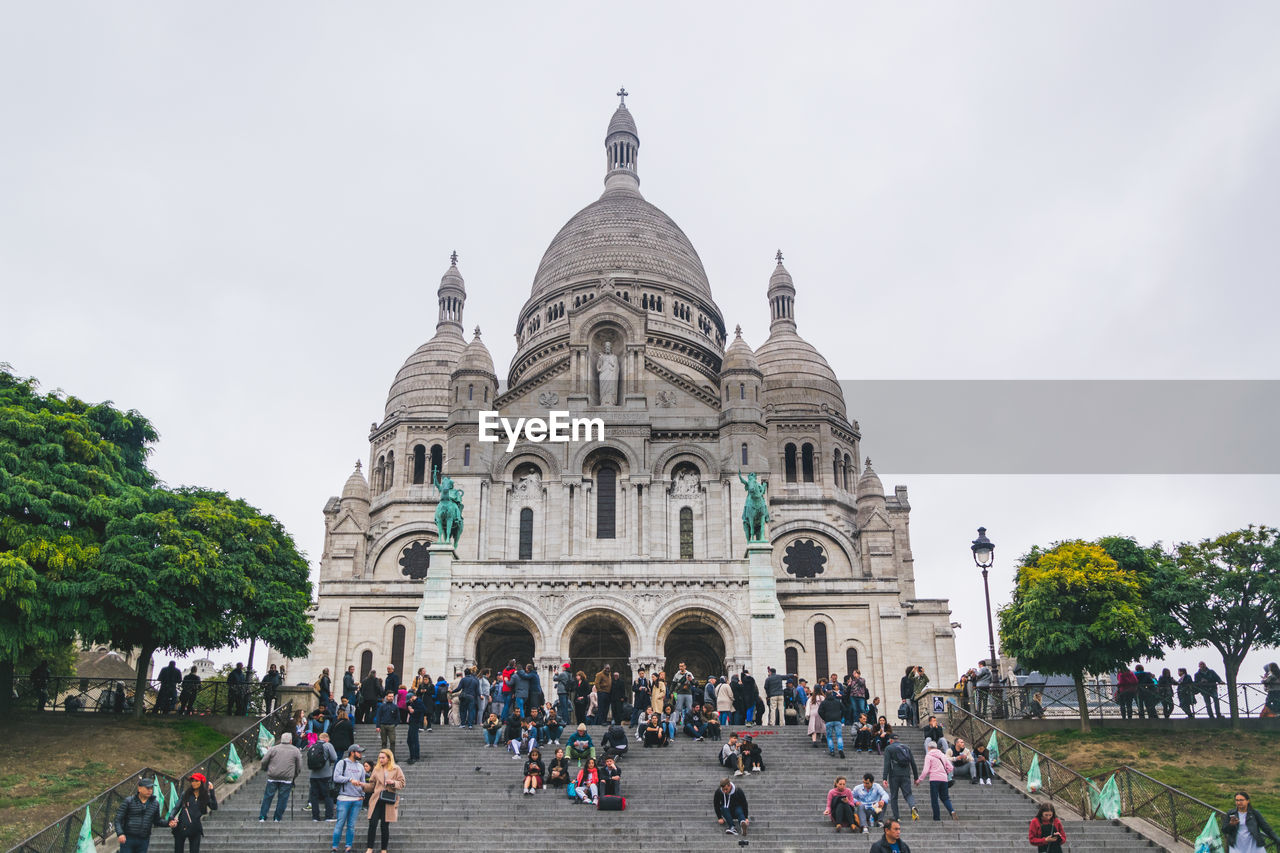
387, 796
572, 790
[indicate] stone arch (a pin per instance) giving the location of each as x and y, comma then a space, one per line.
384, 553
706, 611
497, 613
611, 319
672, 456
611, 605
813, 525
588, 453
406, 649
358, 650
507, 463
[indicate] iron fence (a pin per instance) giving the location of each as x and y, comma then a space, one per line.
1105, 702
71, 694
62, 836
1172, 811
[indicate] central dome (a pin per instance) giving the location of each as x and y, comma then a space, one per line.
621, 233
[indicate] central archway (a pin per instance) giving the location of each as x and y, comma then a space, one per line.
504, 636
696, 642
599, 639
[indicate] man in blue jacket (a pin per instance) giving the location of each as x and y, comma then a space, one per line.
385, 719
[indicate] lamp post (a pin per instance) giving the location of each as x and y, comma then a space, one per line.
983, 555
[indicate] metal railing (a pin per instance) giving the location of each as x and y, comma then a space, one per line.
62, 836
72, 694
1105, 702
1170, 810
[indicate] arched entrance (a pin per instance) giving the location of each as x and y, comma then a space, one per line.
599, 639
504, 636
697, 642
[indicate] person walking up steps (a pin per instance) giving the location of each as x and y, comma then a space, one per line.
321, 758
282, 766
348, 775
185, 817
938, 770
136, 817
900, 774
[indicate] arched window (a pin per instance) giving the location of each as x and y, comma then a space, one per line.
744, 453
850, 480
437, 461
850, 660
466, 456
806, 462
419, 465
526, 534
835, 471
820, 649
789, 459
686, 533
397, 648
742, 390
471, 393
378, 473
391, 470
606, 501
792, 655
366, 663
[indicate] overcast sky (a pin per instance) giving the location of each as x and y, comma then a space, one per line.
233, 217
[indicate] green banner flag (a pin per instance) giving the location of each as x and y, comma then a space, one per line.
234, 768
993, 749
160, 797
85, 844
265, 740
173, 798
1033, 775
1210, 838
1109, 800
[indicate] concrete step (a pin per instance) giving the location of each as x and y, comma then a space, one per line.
461, 789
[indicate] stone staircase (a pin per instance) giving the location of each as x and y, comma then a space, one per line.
464, 796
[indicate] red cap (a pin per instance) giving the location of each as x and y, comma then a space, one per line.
199, 777
566, 666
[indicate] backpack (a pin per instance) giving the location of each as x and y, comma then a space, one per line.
316, 758
899, 758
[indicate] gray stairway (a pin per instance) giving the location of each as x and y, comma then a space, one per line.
462, 795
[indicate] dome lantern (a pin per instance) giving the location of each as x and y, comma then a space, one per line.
782, 297
452, 295
622, 148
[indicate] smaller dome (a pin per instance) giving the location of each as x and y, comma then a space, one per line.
357, 487
476, 357
780, 277
739, 355
622, 122
869, 485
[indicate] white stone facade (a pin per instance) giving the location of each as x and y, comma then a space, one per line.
629, 550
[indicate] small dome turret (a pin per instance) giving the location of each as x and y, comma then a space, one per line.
356, 488
739, 357
870, 489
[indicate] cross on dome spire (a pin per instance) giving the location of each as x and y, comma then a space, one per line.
477, 331
453, 258
622, 95
779, 256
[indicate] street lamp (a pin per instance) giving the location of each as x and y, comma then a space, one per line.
984, 555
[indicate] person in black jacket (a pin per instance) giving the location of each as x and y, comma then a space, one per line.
750, 698
417, 714
1253, 822
342, 733
892, 836
610, 777
730, 806
135, 818
370, 693
169, 677
900, 773
190, 687
185, 816
831, 712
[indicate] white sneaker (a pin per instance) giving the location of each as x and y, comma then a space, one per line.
737, 773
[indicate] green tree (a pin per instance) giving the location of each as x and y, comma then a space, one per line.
66, 469
1075, 611
197, 569
1225, 592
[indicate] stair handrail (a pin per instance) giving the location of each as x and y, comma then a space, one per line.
1169, 809
62, 836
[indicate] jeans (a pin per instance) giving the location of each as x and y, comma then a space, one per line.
562, 706
135, 845
1211, 695
683, 705
938, 793
551, 731
321, 795
516, 702
835, 736
730, 818
693, 731
1126, 706
867, 814
491, 736
724, 717
284, 789
348, 811
415, 747
467, 711
900, 783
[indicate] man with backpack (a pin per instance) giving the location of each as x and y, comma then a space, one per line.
900, 773
321, 757
831, 712
282, 765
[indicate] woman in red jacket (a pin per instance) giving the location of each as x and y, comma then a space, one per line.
1046, 830
1126, 691
588, 783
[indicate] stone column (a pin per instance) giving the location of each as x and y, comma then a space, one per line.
767, 631
432, 620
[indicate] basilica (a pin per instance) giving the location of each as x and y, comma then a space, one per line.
627, 547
